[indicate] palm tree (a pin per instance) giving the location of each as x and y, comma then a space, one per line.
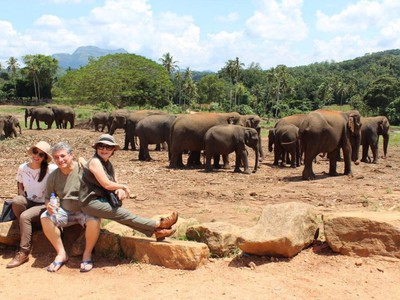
167, 60
12, 67
232, 69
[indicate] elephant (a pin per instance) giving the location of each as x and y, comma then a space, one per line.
132, 120
254, 121
43, 114
228, 138
187, 132
9, 125
154, 129
101, 119
286, 140
63, 115
371, 129
329, 131
117, 119
295, 120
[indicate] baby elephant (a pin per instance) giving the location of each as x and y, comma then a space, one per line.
224, 139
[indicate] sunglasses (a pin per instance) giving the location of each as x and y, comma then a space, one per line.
36, 152
102, 146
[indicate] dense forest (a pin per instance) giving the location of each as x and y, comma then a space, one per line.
370, 83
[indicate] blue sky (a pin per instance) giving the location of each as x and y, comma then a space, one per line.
204, 34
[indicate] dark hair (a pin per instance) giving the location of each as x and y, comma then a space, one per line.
43, 168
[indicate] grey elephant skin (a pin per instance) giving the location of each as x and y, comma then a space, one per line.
284, 139
329, 131
100, 121
225, 139
132, 119
63, 115
8, 126
117, 119
254, 121
295, 120
187, 132
39, 114
371, 129
154, 129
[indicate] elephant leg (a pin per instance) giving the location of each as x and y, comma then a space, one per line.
293, 158
347, 160
364, 153
374, 150
238, 161
225, 159
216, 158
194, 159
332, 156
244, 159
126, 142
308, 171
277, 156
176, 159
208, 162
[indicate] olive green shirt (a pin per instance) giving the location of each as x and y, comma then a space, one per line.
65, 187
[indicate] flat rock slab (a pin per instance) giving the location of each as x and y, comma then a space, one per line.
363, 233
170, 253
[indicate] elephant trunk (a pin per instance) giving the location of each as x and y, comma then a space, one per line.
26, 118
385, 144
257, 151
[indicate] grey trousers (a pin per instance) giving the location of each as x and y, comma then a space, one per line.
26, 212
121, 215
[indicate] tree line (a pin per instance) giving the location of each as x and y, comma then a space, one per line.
370, 83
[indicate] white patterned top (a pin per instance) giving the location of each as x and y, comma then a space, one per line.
29, 178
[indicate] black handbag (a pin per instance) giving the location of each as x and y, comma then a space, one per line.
7, 213
113, 199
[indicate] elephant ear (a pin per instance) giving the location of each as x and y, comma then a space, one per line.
247, 135
354, 122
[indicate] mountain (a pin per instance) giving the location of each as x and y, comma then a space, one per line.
81, 56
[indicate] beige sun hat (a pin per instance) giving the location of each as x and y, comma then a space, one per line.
44, 147
107, 140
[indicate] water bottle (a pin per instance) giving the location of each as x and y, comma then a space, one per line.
53, 200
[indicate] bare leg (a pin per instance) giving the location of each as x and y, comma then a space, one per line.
91, 235
53, 234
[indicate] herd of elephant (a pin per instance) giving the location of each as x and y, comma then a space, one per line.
294, 139
215, 133
327, 132
61, 115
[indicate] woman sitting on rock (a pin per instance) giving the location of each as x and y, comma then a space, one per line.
99, 179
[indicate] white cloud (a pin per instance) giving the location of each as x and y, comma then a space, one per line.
354, 18
229, 18
49, 20
341, 48
277, 21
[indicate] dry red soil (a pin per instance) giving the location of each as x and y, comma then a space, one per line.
218, 196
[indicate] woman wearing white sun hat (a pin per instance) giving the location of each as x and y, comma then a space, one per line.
29, 203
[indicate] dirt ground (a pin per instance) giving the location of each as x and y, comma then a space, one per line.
218, 196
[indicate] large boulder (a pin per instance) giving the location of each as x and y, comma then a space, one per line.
282, 230
171, 254
363, 233
220, 237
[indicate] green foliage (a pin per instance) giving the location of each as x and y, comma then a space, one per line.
243, 109
121, 79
